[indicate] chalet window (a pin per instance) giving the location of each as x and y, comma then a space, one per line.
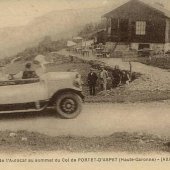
140, 27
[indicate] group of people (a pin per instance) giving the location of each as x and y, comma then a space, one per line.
117, 77
28, 73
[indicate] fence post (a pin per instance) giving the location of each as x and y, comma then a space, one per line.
130, 65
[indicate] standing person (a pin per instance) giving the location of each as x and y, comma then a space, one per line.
92, 79
116, 77
79, 80
103, 78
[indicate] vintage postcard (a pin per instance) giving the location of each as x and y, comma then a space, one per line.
84, 84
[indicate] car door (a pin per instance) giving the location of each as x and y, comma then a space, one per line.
23, 93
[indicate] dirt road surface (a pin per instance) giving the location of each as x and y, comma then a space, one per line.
96, 120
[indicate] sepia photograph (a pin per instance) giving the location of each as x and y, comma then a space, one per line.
84, 84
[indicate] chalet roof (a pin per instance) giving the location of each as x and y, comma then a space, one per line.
93, 33
156, 7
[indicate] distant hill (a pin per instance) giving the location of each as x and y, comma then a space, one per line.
57, 24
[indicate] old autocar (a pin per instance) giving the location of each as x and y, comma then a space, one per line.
58, 90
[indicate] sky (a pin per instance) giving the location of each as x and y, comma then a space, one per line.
21, 12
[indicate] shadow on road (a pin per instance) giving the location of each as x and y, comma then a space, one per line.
30, 115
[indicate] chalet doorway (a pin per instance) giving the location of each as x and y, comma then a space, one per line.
123, 30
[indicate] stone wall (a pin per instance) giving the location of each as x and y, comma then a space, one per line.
120, 48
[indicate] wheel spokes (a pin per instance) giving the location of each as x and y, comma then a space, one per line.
68, 105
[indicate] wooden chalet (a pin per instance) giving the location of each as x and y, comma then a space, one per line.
139, 25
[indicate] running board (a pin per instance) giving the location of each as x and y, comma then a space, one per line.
25, 111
